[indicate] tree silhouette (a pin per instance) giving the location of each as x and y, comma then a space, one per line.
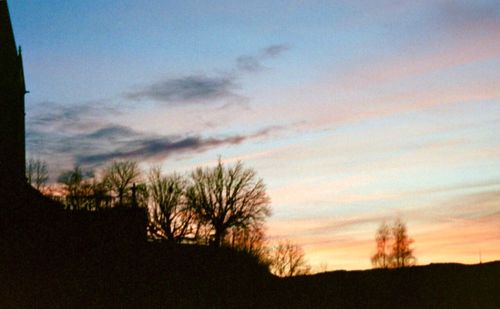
120, 176
250, 239
381, 259
402, 254
393, 246
37, 173
287, 259
76, 187
170, 216
227, 197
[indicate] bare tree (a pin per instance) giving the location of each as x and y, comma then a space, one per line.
171, 218
250, 240
402, 254
140, 195
77, 187
393, 246
381, 259
37, 173
99, 195
120, 177
287, 259
227, 197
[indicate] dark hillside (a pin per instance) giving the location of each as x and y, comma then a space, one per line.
144, 276
53, 258
433, 286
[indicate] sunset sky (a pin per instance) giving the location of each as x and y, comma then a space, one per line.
352, 112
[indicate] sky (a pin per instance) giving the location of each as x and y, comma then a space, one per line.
352, 112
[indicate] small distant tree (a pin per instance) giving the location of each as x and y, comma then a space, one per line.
402, 254
393, 246
120, 176
37, 173
287, 260
227, 197
170, 216
382, 259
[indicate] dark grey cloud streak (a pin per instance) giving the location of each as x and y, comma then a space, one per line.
107, 142
196, 88
155, 148
274, 50
193, 89
254, 63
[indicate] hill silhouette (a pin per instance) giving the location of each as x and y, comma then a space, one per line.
85, 271
432, 286
52, 258
55, 258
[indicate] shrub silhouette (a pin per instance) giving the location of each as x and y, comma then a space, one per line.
287, 260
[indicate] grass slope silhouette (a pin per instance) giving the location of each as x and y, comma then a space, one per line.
54, 258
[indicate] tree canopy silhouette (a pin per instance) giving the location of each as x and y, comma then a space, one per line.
228, 197
77, 187
171, 218
381, 258
402, 254
393, 246
287, 260
37, 173
120, 177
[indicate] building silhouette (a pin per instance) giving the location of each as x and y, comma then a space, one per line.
12, 91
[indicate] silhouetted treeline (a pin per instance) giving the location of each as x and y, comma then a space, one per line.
218, 206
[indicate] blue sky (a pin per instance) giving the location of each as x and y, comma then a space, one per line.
352, 112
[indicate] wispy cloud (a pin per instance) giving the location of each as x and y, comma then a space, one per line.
275, 50
154, 148
100, 142
189, 89
47, 116
148, 149
254, 63
249, 64
112, 132
196, 88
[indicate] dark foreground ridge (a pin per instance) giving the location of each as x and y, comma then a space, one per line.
432, 286
52, 258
